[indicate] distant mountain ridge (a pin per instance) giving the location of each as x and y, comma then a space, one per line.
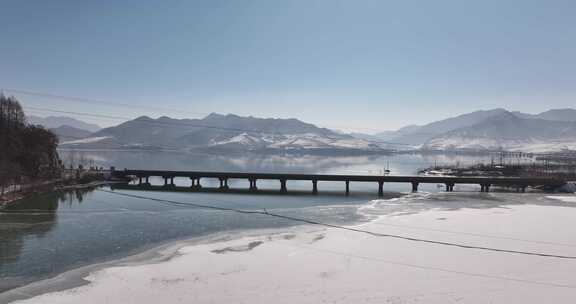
221, 132
50, 122
67, 133
496, 129
476, 131
417, 135
509, 132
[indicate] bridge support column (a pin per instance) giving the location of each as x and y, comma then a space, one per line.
172, 181
147, 180
347, 188
380, 188
165, 181
253, 184
283, 188
223, 183
484, 187
415, 186
195, 183
449, 187
315, 186
523, 189
139, 180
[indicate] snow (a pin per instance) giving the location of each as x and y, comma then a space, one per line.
296, 141
528, 145
242, 139
337, 266
566, 199
87, 140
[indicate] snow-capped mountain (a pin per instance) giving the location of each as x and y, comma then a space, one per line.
417, 135
222, 132
497, 129
509, 132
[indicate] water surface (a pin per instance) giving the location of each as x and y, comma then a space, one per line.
45, 235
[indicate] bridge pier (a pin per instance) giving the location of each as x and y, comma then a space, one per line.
347, 188
485, 187
139, 180
449, 187
380, 188
315, 186
283, 188
415, 186
147, 180
223, 183
195, 183
253, 187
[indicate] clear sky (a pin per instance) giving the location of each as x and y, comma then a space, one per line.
360, 65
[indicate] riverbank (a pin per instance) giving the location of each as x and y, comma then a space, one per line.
159, 254
60, 184
343, 266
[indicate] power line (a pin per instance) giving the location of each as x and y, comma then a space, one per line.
477, 235
312, 222
98, 101
185, 124
131, 106
440, 269
165, 123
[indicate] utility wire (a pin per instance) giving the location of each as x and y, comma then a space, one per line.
489, 236
313, 222
186, 124
96, 101
130, 106
440, 269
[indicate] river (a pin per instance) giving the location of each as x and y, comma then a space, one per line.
49, 234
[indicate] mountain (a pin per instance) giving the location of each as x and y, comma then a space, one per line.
50, 122
508, 131
558, 115
554, 114
222, 132
417, 135
68, 133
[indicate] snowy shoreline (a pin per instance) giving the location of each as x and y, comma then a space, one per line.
156, 254
311, 265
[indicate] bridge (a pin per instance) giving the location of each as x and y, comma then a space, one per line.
519, 183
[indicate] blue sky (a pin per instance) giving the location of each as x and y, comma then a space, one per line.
359, 65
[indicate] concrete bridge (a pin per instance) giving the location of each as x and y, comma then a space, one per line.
519, 183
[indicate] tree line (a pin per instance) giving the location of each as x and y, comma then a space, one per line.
27, 152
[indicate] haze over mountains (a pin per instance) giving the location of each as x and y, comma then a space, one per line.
66, 128
494, 130
50, 122
221, 132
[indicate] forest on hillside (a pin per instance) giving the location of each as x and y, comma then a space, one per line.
27, 152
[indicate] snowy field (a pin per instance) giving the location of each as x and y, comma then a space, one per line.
331, 265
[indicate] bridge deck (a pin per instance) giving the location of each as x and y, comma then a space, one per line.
449, 181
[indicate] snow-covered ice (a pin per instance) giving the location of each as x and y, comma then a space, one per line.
328, 265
